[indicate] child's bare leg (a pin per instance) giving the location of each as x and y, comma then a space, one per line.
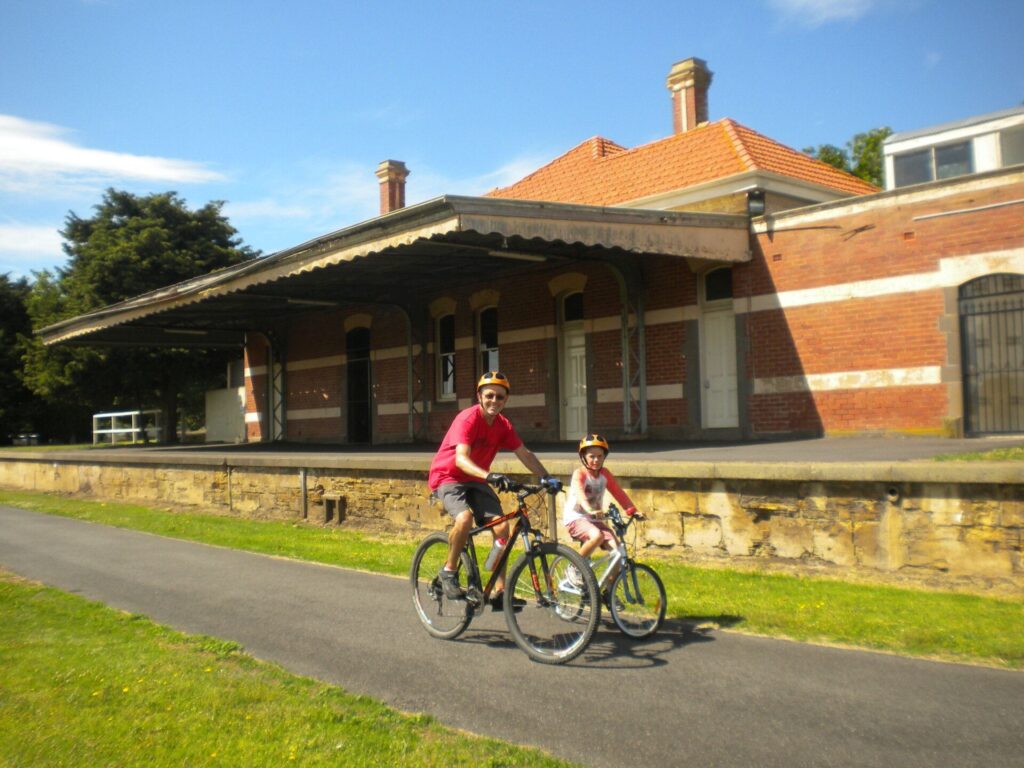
592, 543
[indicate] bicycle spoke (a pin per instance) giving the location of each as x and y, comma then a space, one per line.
441, 616
637, 601
561, 610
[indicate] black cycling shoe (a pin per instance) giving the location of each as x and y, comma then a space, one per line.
498, 603
450, 585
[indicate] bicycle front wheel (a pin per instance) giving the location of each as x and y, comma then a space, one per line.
562, 605
637, 601
441, 616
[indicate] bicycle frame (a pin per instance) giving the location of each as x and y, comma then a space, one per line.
610, 562
521, 528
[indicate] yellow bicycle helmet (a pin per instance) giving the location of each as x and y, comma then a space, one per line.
494, 377
591, 441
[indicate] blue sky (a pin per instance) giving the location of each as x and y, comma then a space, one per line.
284, 109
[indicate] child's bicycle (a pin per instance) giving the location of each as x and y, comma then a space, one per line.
553, 627
636, 598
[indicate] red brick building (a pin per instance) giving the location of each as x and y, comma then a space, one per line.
713, 284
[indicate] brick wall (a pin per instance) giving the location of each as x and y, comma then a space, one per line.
846, 321
847, 306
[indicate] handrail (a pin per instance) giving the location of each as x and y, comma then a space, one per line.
134, 426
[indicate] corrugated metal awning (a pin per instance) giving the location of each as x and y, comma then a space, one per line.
396, 259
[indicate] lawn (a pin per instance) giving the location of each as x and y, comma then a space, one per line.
84, 685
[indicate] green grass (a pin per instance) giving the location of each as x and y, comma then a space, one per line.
997, 454
82, 684
944, 625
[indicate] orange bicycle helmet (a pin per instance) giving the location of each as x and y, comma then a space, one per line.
494, 377
591, 441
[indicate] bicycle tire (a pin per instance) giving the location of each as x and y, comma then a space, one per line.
637, 601
557, 623
440, 616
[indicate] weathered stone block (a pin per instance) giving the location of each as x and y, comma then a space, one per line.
703, 534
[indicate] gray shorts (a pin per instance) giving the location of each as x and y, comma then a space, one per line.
478, 497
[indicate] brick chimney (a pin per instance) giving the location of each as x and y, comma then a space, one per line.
688, 81
392, 175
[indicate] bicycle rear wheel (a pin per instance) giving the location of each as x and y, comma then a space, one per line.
441, 616
637, 601
561, 614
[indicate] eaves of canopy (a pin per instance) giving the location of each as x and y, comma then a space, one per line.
398, 258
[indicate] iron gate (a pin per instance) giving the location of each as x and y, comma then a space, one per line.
992, 336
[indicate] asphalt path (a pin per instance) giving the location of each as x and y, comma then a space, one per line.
685, 698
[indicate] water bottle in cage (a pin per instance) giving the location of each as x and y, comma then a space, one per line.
492, 556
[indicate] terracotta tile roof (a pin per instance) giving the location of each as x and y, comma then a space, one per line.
600, 172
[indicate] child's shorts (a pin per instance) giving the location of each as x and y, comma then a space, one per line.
582, 529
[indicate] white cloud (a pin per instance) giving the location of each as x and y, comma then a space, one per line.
25, 248
37, 158
815, 13
28, 239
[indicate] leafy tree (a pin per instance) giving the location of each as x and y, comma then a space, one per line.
830, 154
16, 401
862, 156
866, 152
132, 245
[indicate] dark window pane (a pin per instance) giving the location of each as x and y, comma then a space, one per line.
1012, 144
953, 160
913, 167
573, 307
718, 285
489, 328
446, 333
357, 343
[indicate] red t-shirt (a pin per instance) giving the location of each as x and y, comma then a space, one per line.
470, 428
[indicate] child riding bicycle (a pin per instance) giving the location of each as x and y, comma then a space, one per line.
583, 513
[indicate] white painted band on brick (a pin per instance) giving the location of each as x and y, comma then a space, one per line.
253, 417
316, 362
658, 392
831, 382
305, 414
256, 370
392, 353
952, 272
526, 401
536, 333
397, 409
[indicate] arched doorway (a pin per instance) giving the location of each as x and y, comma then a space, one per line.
357, 357
992, 342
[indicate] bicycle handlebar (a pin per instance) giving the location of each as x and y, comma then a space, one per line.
551, 485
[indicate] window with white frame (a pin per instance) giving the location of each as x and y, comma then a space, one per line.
487, 333
446, 357
931, 163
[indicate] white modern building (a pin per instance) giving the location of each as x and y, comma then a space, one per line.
977, 144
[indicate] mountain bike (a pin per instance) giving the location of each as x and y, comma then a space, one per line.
636, 598
553, 626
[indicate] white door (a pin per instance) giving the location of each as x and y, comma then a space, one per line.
719, 399
574, 383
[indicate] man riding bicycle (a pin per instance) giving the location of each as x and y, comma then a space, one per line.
460, 473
